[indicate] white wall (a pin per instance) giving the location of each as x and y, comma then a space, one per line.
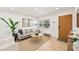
53, 29
16, 17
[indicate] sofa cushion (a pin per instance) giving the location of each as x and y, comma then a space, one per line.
28, 31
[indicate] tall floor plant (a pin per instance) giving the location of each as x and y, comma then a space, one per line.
11, 24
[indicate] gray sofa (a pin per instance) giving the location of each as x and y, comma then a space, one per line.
24, 33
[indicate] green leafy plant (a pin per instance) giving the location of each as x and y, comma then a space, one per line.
75, 37
11, 24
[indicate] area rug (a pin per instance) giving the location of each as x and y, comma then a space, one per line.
29, 45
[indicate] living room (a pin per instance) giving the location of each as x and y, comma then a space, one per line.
33, 23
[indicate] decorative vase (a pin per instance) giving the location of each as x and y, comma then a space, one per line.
76, 46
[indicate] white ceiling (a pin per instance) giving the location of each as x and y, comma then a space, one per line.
35, 11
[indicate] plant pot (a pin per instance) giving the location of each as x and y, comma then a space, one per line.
76, 46
15, 35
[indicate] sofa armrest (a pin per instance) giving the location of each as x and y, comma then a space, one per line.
19, 35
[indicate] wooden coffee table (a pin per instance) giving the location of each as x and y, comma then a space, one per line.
36, 37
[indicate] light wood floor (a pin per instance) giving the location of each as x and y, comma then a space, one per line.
53, 45
50, 45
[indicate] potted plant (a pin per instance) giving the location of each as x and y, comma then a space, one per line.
75, 41
12, 25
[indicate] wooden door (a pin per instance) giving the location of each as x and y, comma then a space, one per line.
65, 26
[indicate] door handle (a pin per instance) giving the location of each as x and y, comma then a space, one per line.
59, 27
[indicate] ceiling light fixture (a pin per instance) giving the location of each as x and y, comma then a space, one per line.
57, 8
35, 8
12, 8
